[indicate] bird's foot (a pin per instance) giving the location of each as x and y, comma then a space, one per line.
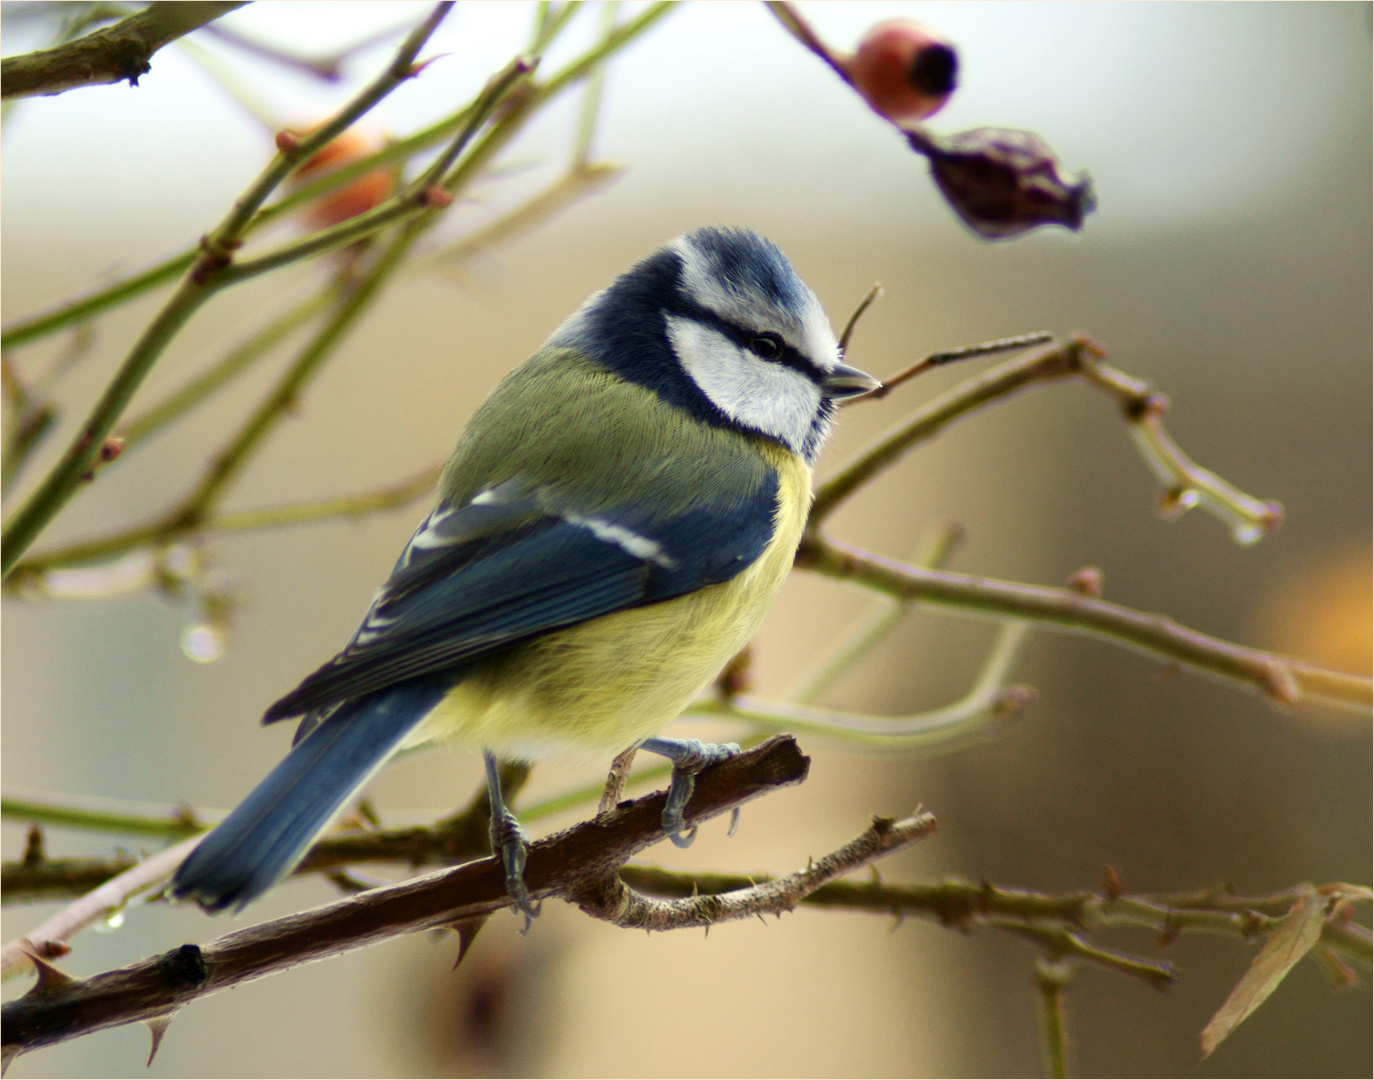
508, 839
689, 757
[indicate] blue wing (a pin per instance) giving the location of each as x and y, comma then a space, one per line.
503, 568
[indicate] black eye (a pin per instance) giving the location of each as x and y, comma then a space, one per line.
766, 346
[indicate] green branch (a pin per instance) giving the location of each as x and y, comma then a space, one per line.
199, 285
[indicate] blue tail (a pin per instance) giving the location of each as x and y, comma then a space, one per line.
266, 834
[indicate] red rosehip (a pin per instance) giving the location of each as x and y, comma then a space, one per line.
904, 70
352, 198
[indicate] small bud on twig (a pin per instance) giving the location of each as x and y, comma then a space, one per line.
435, 197
1087, 581
288, 142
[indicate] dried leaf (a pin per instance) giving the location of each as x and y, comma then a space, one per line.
1291, 940
1003, 182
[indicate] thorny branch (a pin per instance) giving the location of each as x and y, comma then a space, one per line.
1054, 921
575, 862
109, 55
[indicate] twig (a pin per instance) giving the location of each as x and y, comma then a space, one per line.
613, 901
938, 730
109, 55
950, 356
615, 781
871, 628
108, 899
579, 182
47, 322
72, 311
1281, 678
329, 68
199, 285
1081, 358
1052, 920
238, 360
799, 28
559, 866
1051, 979
864, 305
192, 512
104, 815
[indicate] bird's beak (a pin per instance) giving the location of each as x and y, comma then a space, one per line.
848, 382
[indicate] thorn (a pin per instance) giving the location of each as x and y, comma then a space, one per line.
1278, 683
420, 65
707, 928
467, 930
761, 919
873, 873
1168, 671
367, 813
7, 1055
50, 979
1168, 936
158, 1025
734, 823
33, 845
1111, 883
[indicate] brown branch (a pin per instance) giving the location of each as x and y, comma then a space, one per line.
110, 55
614, 901
1054, 921
566, 864
1283, 679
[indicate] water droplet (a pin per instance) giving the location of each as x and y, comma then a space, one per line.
202, 643
1247, 534
1177, 501
112, 921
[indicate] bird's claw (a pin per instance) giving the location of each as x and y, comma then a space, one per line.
689, 757
508, 838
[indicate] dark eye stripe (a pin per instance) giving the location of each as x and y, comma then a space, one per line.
744, 338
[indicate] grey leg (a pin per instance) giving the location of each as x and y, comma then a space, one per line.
689, 757
508, 840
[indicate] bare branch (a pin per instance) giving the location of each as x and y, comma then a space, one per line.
1281, 678
562, 865
110, 55
196, 288
612, 900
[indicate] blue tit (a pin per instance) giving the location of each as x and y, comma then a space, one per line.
617, 518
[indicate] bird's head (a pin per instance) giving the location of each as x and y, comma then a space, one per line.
718, 323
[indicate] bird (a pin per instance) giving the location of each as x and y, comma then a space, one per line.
617, 518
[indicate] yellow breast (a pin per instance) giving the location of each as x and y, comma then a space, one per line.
597, 687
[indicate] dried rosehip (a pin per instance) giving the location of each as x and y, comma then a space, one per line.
353, 198
903, 70
1002, 182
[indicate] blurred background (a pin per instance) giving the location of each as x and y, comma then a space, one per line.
1229, 263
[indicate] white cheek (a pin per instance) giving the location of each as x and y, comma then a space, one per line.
772, 398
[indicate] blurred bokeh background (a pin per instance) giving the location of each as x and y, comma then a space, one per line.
1229, 263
